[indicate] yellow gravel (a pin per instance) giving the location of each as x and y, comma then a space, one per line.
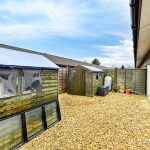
115, 122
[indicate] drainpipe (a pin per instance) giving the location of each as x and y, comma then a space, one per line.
134, 4
148, 81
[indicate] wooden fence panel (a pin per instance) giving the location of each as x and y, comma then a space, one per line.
120, 77
134, 79
62, 80
140, 81
129, 79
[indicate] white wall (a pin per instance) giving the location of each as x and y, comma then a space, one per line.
148, 81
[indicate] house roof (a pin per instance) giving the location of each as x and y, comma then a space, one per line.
91, 68
60, 61
141, 31
17, 59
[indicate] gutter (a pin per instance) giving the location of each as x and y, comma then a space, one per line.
135, 17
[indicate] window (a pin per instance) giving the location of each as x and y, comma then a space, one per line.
20, 128
51, 113
8, 82
31, 81
10, 132
97, 76
34, 121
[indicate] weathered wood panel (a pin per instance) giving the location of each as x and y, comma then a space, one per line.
97, 82
62, 80
78, 81
134, 79
121, 77
130, 78
51, 113
21, 102
84, 82
34, 121
140, 81
88, 83
10, 132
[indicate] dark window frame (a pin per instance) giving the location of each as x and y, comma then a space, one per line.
97, 76
24, 125
19, 81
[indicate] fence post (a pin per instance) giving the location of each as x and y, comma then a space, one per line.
69, 79
115, 79
125, 81
148, 81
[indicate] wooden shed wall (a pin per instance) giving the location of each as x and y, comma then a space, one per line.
84, 82
62, 80
88, 83
97, 82
20, 103
77, 81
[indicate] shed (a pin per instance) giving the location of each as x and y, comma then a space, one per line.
85, 80
65, 65
28, 96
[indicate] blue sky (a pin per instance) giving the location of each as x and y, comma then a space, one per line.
78, 29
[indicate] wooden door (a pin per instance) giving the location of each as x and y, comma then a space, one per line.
79, 81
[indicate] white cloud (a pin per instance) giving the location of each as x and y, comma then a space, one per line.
116, 55
63, 18
31, 19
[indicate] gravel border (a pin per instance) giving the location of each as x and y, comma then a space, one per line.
115, 122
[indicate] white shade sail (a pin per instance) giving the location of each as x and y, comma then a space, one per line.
13, 58
93, 69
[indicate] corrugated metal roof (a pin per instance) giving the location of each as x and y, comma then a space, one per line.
21, 59
93, 69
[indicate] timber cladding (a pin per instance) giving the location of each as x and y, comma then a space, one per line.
134, 79
89, 83
62, 80
78, 81
84, 82
49, 92
97, 82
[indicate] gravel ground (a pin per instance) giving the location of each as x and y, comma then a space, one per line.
115, 122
